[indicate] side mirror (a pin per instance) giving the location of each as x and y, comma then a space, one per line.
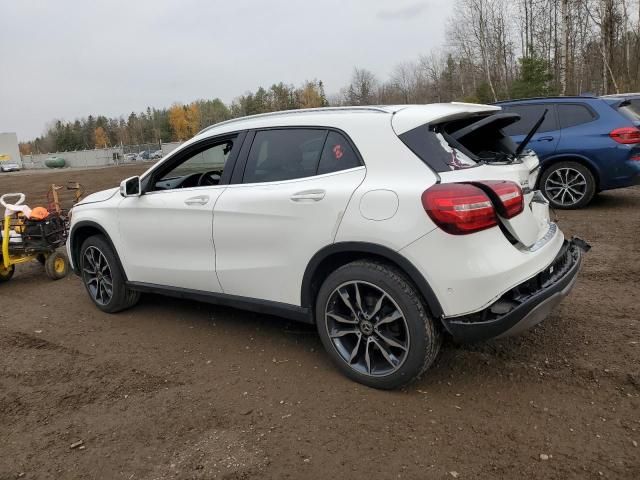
131, 187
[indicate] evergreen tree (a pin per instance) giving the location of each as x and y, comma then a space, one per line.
534, 79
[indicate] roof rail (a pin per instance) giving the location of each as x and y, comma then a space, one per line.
293, 112
551, 97
621, 95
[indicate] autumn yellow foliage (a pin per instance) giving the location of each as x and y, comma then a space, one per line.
310, 96
184, 120
101, 138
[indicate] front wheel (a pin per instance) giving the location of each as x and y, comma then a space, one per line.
374, 326
103, 277
568, 185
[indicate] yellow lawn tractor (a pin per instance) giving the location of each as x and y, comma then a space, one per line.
29, 235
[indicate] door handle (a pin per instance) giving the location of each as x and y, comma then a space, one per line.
308, 195
199, 200
545, 139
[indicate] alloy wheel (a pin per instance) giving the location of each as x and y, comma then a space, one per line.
96, 274
367, 328
566, 186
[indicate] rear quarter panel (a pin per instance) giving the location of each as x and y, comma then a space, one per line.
386, 208
592, 143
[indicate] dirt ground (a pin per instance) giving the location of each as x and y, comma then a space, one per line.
177, 389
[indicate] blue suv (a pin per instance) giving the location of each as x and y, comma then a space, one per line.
585, 145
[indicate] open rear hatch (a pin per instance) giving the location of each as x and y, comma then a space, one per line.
466, 144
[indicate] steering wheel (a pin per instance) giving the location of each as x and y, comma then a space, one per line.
20, 200
210, 178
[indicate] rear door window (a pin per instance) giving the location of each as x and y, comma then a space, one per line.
337, 155
574, 114
529, 115
284, 154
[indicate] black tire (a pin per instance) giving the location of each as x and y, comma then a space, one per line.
121, 297
578, 195
6, 273
422, 336
56, 265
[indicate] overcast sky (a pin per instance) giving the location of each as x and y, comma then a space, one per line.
70, 58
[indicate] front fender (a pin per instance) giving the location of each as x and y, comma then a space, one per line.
79, 232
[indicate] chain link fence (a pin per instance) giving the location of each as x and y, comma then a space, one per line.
125, 154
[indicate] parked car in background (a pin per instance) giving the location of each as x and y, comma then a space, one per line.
9, 167
144, 155
628, 104
156, 154
584, 144
383, 226
130, 157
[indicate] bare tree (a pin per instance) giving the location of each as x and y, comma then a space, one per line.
405, 77
564, 49
362, 89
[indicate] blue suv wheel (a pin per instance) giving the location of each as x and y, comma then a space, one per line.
567, 185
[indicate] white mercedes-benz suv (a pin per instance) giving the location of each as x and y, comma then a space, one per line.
387, 227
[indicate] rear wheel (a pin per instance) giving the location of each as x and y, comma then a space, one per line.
374, 326
6, 273
568, 185
103, 278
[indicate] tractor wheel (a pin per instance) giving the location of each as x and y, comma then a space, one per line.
6, 273
56, 266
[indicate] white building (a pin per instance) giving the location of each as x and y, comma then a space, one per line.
9, 151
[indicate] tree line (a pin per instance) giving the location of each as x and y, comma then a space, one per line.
494, 50
176, 123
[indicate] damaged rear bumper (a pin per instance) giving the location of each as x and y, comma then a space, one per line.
525, 305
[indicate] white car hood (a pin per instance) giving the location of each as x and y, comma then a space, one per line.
99, 196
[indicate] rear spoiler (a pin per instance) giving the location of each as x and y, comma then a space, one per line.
617, 102
413, 116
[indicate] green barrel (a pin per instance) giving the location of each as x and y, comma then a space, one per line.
54, 162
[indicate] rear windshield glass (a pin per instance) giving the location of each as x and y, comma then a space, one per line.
462, 143
632, 112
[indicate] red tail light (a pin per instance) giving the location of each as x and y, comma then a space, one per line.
459, 208
509, 200
626, 135
635, 158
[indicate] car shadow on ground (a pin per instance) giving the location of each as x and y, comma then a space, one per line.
237, 322
300, 342
217, 326
612, 200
